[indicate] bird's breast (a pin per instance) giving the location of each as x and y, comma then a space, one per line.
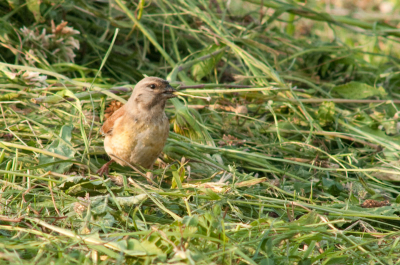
138, 142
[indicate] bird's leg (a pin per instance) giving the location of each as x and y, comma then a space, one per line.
150, 176
104, 169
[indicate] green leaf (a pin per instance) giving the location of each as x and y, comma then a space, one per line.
325, 112
217, 210
189, 122
34, 7
121, 246
190, 220
132, 200
105, 221
307, 219
146, 246
205, 67
61, 148
333, 187
79, 186
213, 196
305, 262
178, 177
13, 3
357, 90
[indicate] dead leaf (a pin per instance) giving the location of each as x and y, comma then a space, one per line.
374, 204
113, 107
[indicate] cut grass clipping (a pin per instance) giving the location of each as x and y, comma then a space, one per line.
284, 142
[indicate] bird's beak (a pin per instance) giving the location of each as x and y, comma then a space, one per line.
169, 91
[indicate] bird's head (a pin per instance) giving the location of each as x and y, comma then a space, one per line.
152, 92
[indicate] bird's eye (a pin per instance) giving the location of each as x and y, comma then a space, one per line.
152, 86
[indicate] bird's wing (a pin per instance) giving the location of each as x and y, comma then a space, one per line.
109, 123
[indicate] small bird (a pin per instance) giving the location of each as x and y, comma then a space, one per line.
136, 133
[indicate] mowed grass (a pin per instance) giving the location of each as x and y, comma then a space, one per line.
284, 141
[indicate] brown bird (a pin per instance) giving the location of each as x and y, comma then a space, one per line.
136, 133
